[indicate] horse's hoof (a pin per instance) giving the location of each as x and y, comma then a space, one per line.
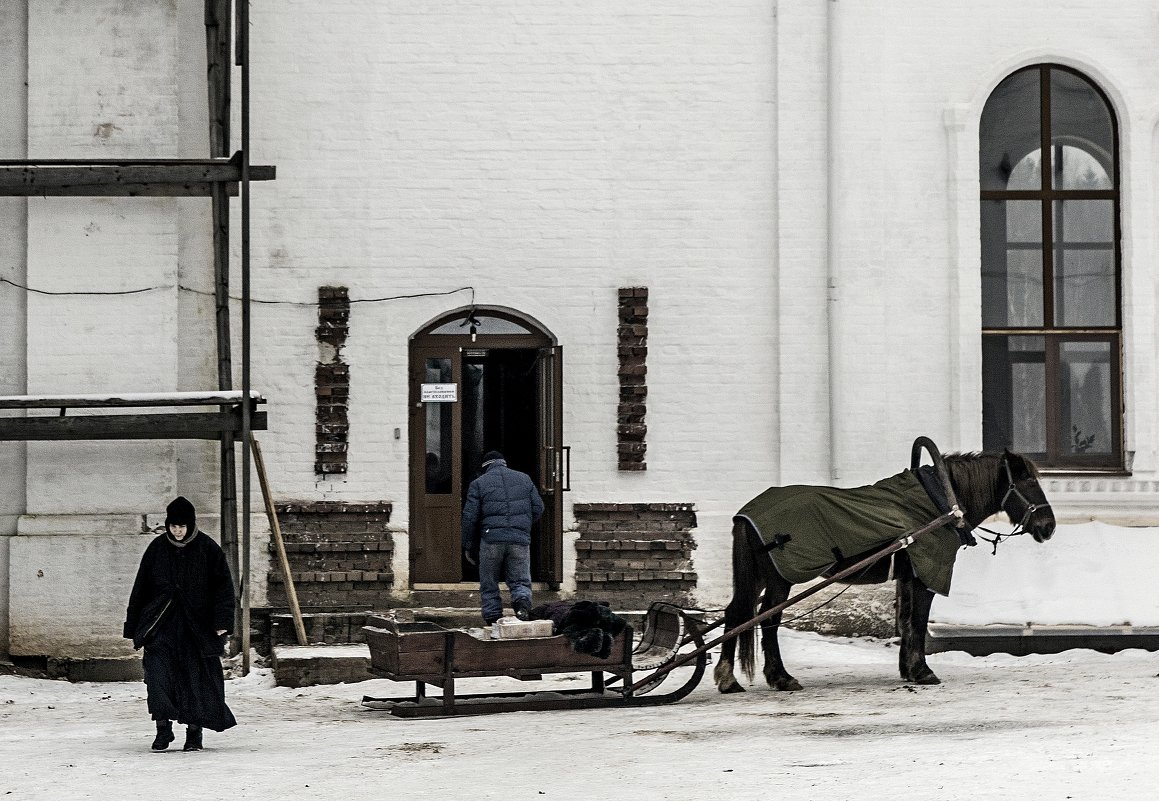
733, 687
926, 677
787, 685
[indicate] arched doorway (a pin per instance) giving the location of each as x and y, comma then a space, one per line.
482, 378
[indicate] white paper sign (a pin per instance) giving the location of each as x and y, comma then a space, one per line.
439, 393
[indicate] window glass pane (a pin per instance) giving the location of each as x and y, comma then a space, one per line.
1077, 169
1085, 387
1010, 130
438, 371
1027, 174
483, 324
1014, 394
1084, 263
1011, 263
1081, 134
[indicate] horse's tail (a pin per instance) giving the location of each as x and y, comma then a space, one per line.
744, 592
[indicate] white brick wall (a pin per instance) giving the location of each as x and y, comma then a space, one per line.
103, 82
547, 154
13, 228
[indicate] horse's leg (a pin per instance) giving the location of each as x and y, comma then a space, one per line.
914, 601
722, 674
740, 608
776, 591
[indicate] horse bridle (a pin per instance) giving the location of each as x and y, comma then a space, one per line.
1031, 508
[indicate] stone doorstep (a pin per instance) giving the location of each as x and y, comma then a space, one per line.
1026, 640
306, 666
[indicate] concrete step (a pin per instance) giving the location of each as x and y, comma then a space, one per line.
306, 666
466, 595
345, 626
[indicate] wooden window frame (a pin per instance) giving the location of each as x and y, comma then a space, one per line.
1058, 458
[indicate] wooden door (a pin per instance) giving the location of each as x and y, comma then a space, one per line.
554, 464
436, 469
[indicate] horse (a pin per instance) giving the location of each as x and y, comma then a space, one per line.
983, 483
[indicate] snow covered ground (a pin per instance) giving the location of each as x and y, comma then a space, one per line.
1078, 725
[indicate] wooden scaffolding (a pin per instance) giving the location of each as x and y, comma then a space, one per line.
218, 177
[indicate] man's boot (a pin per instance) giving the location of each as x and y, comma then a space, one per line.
192, 738
523, 610
164, 735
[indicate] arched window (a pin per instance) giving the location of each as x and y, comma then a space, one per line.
1051, 311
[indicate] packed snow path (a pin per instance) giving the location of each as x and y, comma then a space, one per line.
1078, 725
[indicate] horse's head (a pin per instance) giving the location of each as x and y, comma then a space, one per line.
1023, 500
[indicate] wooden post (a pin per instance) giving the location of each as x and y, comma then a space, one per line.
218, 22
271, 513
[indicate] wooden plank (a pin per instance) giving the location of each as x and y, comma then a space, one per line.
40, 177
124, 399
178, 179
120, 190
182, 425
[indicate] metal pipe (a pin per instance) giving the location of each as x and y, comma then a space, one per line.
833, 276
243, 57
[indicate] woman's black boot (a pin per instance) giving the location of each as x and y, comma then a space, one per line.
164, 735
192, 738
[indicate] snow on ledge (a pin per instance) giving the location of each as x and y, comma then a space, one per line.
352, 651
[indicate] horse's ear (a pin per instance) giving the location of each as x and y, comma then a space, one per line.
1020, 466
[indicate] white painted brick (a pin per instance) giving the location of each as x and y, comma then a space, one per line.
547, 154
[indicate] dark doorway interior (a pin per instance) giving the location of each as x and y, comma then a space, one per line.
499, 390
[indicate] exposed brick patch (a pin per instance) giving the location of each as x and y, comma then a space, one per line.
329, 628
340, 554
332, 382
632, 338
631, 554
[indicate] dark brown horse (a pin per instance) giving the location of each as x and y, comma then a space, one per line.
984, 483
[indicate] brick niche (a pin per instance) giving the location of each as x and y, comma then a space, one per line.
332, 382
339, 555
631, 554
632, 338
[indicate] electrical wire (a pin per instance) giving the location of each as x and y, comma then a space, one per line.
184, 288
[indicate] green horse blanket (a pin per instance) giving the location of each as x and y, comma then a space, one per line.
811, 528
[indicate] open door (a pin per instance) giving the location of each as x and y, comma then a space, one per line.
554, 465
482, 380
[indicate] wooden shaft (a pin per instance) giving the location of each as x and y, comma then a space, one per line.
901, 542
271, 513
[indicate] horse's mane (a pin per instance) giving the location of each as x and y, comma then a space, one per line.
975, 478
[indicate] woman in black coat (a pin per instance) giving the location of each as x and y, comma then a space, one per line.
181, 611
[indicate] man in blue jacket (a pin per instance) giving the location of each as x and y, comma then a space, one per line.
502, 504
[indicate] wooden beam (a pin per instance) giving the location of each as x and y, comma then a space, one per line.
213, 398
187, 425
194, 178
218, 42
118, 190
218, 33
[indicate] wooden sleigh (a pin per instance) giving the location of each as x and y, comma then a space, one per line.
429, 654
